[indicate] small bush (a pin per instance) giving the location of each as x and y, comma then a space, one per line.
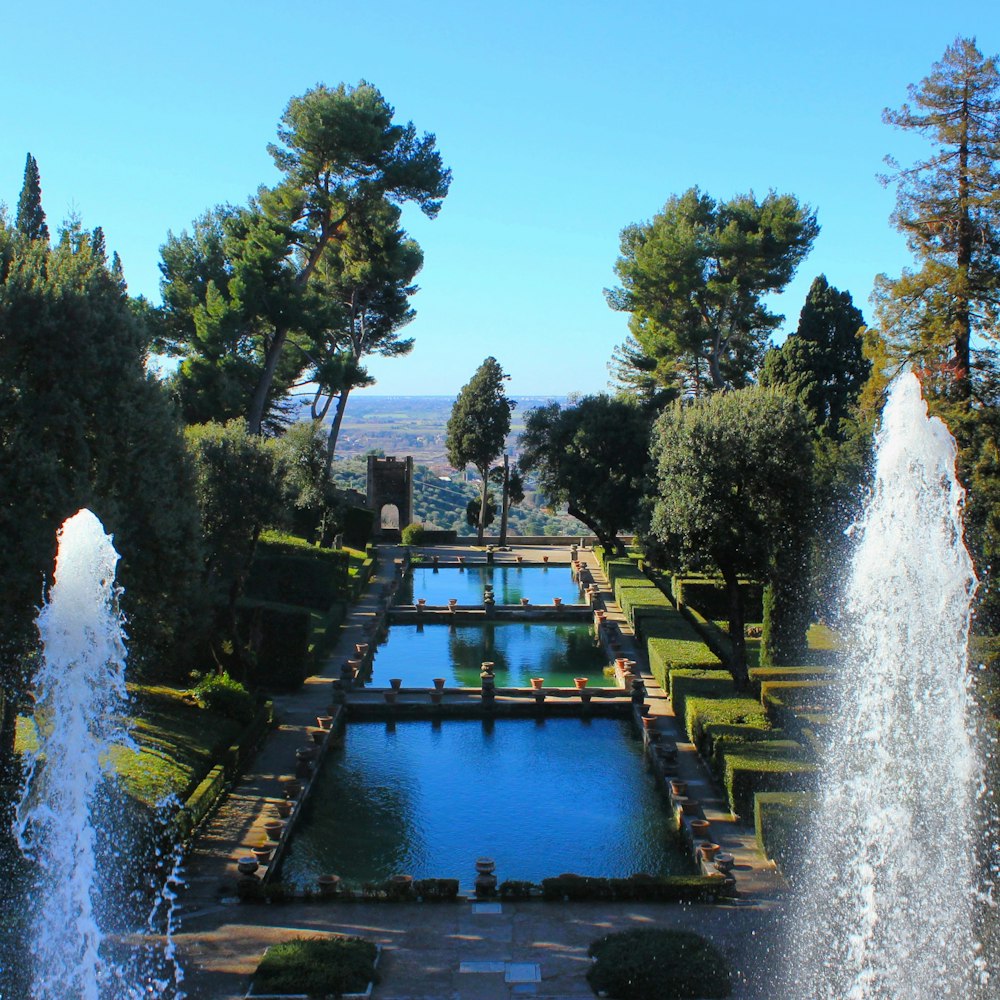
436, 889
783, 822
684, 684
317, 966
221, 694
767, 766
413, 534
702, 715
515, 889
654, 964
637, 888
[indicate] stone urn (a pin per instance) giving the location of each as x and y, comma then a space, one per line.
395, 683
247, 865
274, 829
724, 862
262, 854
329, 885
283, 808
421, 603
709, 851
486, 880
439, 683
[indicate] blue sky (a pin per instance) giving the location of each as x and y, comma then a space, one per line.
562, 122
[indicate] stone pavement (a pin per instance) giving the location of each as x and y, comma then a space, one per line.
427, 946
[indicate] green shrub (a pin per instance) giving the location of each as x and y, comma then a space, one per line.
221, 694
702, 716
638, 888
684, 684
766, 766
515, 889
282, 637
358, 523
317, 966
783, 822
291, 571
651, 963
709, 596
413, 534
436, 889
673, 644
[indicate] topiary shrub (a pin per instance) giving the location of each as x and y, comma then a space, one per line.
783, 822
413, 534
652, 963
702, 716
221, 694
683, 684
767, 766
317, 967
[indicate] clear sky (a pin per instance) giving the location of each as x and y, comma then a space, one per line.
563, 121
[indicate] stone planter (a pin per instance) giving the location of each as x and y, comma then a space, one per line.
421, 603
292, 788
525, 602
557, 602
283, 808
709, 851
648, 721
539, 697
545, 559
247, 865
324, 721
329, 885
690, 807
679, 787
537, 682
519, 559
439, 683
452, 603
361, 648
586, 695
724, 862
262, 854
436, 697
580, 682
318, 735
395, 683
274, 829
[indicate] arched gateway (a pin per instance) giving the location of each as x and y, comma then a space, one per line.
390, 483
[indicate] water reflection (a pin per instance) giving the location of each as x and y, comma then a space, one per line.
540, 584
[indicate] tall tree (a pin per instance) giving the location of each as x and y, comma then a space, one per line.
341, 156
947, 207
733, 492
591, 456
822, 364
365, 283
478, 427
694, 280
30, 221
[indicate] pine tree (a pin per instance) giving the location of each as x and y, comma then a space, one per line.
30, 216
946, 205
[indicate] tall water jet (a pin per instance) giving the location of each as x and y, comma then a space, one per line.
79, 694
888, 904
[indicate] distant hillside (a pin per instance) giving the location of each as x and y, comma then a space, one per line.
441, 504
412, 425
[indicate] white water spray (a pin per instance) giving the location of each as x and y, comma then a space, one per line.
888, 906
80, 700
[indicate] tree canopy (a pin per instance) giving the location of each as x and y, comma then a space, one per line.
30, 220
591, 455
946, 206
478, 426
694, 280
733, 490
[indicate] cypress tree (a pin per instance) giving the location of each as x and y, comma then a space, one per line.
30, 216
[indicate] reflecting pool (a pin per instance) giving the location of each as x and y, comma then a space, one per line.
519, 650
510, 583
540, 797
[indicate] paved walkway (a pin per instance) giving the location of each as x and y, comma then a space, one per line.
427, 946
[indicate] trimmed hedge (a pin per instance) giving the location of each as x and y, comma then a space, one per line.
709, 596
783, 822
645, 888
317, 967
687, 683
282, 638
652, 963
766, 766
358, 523
816, 673
673, 644
790, 702
705, 717
312, 578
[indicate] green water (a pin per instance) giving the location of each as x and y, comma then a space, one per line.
510, 583
541, 798
519, 650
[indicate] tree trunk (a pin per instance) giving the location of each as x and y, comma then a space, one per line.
482, 504
255, 415
505, 500
338, 419
737, 629
608, 539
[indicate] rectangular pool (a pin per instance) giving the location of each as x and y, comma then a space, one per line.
539, 797
520, 650
510, 583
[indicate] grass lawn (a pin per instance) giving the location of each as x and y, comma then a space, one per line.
178, 743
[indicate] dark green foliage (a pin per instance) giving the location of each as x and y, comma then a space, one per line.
319, 966
515, 889
693, 683
695, 279
822, 364
673, 644
734, 491
436, 890
307, 576
311, 507
708, 596
478, 426
765, 766
219, 693
651, 963
278, 638
784, 825
787, 612
639, 888
473, 508
30, 221
591, 456
358, 522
